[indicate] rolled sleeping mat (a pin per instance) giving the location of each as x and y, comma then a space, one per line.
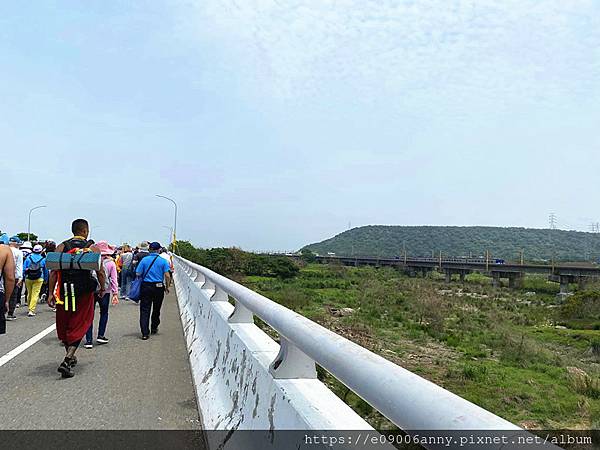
76, 261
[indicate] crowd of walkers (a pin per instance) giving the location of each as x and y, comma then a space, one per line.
73, 294
31, 275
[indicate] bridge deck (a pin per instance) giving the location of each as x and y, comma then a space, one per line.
126, 384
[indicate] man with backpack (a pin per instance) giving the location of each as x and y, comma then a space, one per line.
76, 290
34, 270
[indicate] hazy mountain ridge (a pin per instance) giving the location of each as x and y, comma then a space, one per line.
507, 243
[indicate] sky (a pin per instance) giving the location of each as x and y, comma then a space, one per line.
276, 123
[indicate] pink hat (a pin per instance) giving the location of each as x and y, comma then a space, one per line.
105, 248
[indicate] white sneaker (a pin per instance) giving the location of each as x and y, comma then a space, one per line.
30, 314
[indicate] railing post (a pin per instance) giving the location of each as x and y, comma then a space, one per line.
241, 314
208, 285
200, 278
292, 363
219, 296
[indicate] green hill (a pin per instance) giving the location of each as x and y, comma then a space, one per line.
507, 243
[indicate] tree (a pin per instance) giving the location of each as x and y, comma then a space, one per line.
232, 262
430, 310
283, 268
25, 237
307, 255
186, 250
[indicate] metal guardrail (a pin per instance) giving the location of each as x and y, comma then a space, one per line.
408, 400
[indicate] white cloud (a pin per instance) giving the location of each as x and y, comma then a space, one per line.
449, 56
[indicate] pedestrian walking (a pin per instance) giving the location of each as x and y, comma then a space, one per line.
110, 290
127, 270
156, 280
15, 298
75, 313
34, 269
7, 279
141, 253
49, 247
165, 254
26, 248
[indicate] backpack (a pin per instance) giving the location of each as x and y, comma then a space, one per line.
106, 284
35, 269
83, 281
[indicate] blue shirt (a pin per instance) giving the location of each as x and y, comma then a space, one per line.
34, 257
157, 272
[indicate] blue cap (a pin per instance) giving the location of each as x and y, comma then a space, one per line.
4, 239
155, 246
15, 239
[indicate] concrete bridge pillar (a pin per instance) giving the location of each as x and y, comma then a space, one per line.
448, 274
564, 284
496, 280
462, 276
515, 280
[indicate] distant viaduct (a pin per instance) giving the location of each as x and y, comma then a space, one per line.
497, 270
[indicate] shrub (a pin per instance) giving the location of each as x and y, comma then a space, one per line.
232, 261
474, 372
307, 256
583, 383
582, 305
292, 298
522, 352
430, 310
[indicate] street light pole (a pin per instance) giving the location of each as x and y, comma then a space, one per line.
175, 220
29, 219
170, 230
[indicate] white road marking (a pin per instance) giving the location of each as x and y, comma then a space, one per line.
25, 345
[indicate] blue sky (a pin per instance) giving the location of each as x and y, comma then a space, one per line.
277, 123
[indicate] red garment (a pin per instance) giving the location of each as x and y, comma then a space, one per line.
72, 326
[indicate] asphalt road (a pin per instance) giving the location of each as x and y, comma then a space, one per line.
127, 384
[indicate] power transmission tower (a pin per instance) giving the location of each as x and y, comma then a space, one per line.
588, 245
595, 229
552, 222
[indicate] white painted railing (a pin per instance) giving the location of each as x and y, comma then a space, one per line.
408, 400
230, 358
